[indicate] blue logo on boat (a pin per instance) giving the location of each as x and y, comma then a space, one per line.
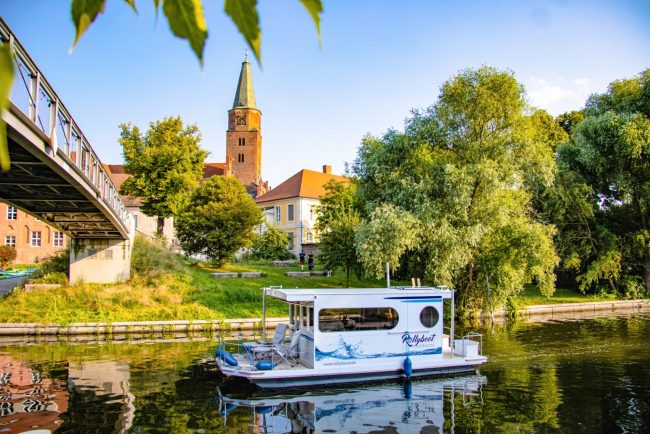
346, 351
415, 340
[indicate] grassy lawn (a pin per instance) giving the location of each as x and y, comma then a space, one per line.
531, 296
168, 287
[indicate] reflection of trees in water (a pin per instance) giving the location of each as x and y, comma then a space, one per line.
588, 376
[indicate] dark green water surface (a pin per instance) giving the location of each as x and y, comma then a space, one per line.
589, 375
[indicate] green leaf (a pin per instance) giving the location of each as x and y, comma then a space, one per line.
84, 13
186, 21
132, 4
315, 8
244, 15
156, 5
6, 78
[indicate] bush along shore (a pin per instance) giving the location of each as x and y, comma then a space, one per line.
174, 293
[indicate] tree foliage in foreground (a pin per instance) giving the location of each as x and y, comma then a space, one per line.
186, 21
601, 199
166, 164
463, 168
218, 220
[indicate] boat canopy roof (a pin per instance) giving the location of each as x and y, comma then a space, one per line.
298, 295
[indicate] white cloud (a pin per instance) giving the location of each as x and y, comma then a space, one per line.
558, 95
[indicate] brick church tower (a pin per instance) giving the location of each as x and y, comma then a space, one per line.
243, 137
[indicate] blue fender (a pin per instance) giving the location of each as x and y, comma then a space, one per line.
408, 367
226, 357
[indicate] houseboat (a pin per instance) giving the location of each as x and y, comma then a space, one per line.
354, 335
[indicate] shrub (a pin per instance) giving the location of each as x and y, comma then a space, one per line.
53, 278
149, 259
7, 255
272, 244
58, 263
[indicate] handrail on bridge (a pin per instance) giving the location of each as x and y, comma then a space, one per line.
35, 97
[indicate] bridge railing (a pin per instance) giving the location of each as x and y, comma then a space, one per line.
36, 98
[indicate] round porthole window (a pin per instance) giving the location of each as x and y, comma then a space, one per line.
429, 316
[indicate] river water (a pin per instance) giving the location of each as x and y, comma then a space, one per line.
587, 375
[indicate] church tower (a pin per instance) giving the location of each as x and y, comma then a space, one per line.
244, 138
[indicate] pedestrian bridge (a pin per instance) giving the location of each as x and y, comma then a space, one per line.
56, 176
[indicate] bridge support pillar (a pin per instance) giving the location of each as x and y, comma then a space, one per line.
100, 260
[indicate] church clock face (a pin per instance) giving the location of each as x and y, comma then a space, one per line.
241, 120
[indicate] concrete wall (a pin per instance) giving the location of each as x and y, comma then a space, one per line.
100, 260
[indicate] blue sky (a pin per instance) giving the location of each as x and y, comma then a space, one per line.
379, 60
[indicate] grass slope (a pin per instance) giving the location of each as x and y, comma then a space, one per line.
170, 287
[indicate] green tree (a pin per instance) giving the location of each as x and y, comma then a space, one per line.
166, 164
569, 120
389, 233
464, 169
218, 220
339, 200
338, 219
272, 244
337, 245
607, 164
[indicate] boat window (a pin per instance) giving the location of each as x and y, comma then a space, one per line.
357, 319
429, 316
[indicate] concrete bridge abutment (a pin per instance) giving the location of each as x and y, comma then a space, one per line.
100, 260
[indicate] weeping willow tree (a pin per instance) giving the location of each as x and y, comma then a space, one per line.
464, 170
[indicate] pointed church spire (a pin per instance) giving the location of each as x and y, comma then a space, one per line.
245, 96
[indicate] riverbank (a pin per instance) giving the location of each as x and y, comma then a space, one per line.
166, 289
550, 311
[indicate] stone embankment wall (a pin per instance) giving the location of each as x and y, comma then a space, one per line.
230, 325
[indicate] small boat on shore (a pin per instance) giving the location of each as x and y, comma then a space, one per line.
355, 335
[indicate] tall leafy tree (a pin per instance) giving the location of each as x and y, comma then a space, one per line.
338, 219
464, 169
166, 164
218, 220
608, 164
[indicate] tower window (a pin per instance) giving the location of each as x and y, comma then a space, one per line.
242, 141
240, 158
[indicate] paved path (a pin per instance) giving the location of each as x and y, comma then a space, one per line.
7, 285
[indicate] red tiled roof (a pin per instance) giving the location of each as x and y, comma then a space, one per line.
306, 183
118, 175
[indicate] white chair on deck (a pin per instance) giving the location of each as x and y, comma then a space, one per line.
289, 353
258, 350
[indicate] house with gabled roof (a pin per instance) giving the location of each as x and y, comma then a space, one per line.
293, 207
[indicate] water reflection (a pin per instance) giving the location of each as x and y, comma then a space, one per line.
591, 375
417, 406
28, 398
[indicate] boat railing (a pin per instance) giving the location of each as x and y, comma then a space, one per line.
470, 336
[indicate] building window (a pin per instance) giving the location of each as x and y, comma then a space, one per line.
242, 141
12, 213
278, 214
291, 243
290, 212
240, 158
58, 239
312, 212
135, 219
310, 238
36, 239
10, 240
